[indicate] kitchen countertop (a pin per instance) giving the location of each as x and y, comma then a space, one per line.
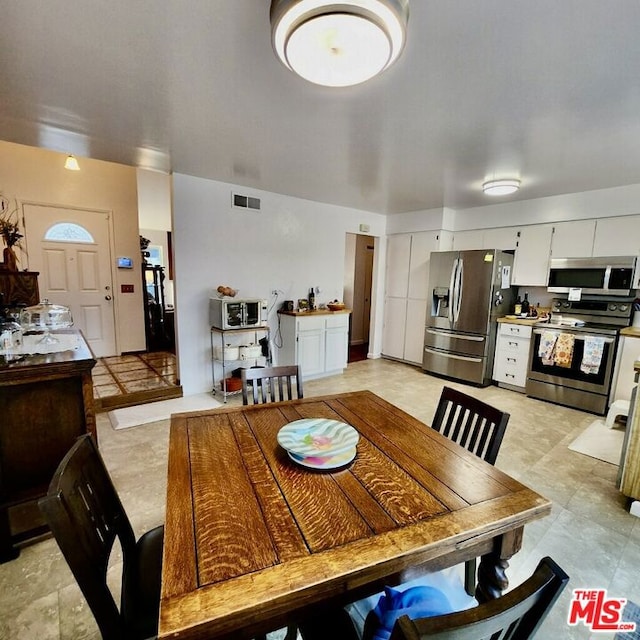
526, 321
630, 332
315, 312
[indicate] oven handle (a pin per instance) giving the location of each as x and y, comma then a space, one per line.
451, 355
576, 336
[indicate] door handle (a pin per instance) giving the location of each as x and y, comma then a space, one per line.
107, 297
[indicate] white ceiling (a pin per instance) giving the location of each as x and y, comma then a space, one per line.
545, 90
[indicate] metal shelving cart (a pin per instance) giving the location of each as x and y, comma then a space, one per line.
225, 341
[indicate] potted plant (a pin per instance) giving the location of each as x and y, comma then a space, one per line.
10, 232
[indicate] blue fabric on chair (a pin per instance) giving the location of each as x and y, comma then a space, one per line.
415, 602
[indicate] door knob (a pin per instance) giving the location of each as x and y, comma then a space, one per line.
107, 297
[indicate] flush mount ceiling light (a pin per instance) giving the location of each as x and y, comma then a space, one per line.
71, 163
500, 187
338, 44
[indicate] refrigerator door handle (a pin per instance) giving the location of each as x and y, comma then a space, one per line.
452, 355
457, 336
458, 289
452, 285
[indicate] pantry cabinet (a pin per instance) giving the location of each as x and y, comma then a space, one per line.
406, 292
318, 341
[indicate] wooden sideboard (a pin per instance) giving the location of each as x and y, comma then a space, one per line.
19, 287
46, 402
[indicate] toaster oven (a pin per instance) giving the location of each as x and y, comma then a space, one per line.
237, 314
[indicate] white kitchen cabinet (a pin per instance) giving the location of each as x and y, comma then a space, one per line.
619, 236
623, 371
407, 293
505, 238
531, 263
512, 355
472, 239
573, 239
397, 270
318, 342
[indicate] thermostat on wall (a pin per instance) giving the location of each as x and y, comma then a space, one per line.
125, 263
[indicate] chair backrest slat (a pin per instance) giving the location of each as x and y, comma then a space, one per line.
473, 424
516, 615
271, 384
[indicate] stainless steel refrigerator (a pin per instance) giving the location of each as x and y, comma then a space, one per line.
468, 291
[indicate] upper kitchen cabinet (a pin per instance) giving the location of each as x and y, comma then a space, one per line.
573, 239
618, 236
472, 239
505, 238
531, 263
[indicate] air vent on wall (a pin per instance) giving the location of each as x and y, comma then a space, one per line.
238, 201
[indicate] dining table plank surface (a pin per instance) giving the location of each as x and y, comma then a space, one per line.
254, 540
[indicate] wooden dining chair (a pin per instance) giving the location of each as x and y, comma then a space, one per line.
85, 514
476, 426
271, 384
517, 615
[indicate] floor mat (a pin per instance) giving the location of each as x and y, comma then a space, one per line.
598, 441
631, 613
154, 411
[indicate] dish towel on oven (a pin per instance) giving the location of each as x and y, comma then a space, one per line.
563, 353
547, 344
592, 357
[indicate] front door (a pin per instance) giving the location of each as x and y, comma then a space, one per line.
71, 250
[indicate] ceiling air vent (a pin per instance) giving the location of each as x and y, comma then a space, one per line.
238, 201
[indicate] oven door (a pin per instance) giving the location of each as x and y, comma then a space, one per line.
581, 373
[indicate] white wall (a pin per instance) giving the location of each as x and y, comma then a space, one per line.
290, 245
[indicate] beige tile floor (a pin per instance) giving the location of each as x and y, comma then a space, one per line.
589, 533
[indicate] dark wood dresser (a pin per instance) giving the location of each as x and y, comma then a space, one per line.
19, 287
46, 402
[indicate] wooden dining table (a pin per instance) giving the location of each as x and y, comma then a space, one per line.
255, 541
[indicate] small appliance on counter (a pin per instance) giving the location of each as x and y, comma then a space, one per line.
237, 314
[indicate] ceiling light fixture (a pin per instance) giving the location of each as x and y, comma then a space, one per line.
71, 163
500, 187
338, 44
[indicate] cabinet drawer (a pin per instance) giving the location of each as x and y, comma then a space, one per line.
341, 320
516, 330
513, 345
311, 323
510, 373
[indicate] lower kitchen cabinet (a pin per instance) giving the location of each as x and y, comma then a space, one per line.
512, 355
316, 340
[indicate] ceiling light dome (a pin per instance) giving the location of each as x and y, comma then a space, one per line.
338, 44
500, 187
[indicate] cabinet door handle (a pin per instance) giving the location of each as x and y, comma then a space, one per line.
511, 360
513, 344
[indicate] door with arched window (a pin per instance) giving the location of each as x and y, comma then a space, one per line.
71, 250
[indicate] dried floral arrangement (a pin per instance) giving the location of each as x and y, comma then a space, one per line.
9, 227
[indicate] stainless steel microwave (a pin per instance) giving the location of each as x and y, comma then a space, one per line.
237, 314
605, 276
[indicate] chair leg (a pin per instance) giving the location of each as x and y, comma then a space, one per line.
470, 577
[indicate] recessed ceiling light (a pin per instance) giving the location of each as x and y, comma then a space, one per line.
338, 44
500, 187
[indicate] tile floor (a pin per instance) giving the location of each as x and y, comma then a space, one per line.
589, 533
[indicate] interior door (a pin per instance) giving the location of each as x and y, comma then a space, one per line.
71, 250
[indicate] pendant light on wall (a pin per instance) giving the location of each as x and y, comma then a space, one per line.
338, 44
71, 163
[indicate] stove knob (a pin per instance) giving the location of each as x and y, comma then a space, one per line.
613, 307
623, 307
566, 305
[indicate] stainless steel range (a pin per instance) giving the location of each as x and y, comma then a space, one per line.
572, 357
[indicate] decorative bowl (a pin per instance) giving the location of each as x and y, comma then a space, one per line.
335, 306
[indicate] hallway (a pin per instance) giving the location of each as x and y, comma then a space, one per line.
124, 381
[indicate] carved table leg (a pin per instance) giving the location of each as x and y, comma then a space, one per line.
492, 577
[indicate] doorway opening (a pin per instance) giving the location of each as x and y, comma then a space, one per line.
358, 274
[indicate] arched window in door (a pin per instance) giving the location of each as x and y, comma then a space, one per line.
68, 232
